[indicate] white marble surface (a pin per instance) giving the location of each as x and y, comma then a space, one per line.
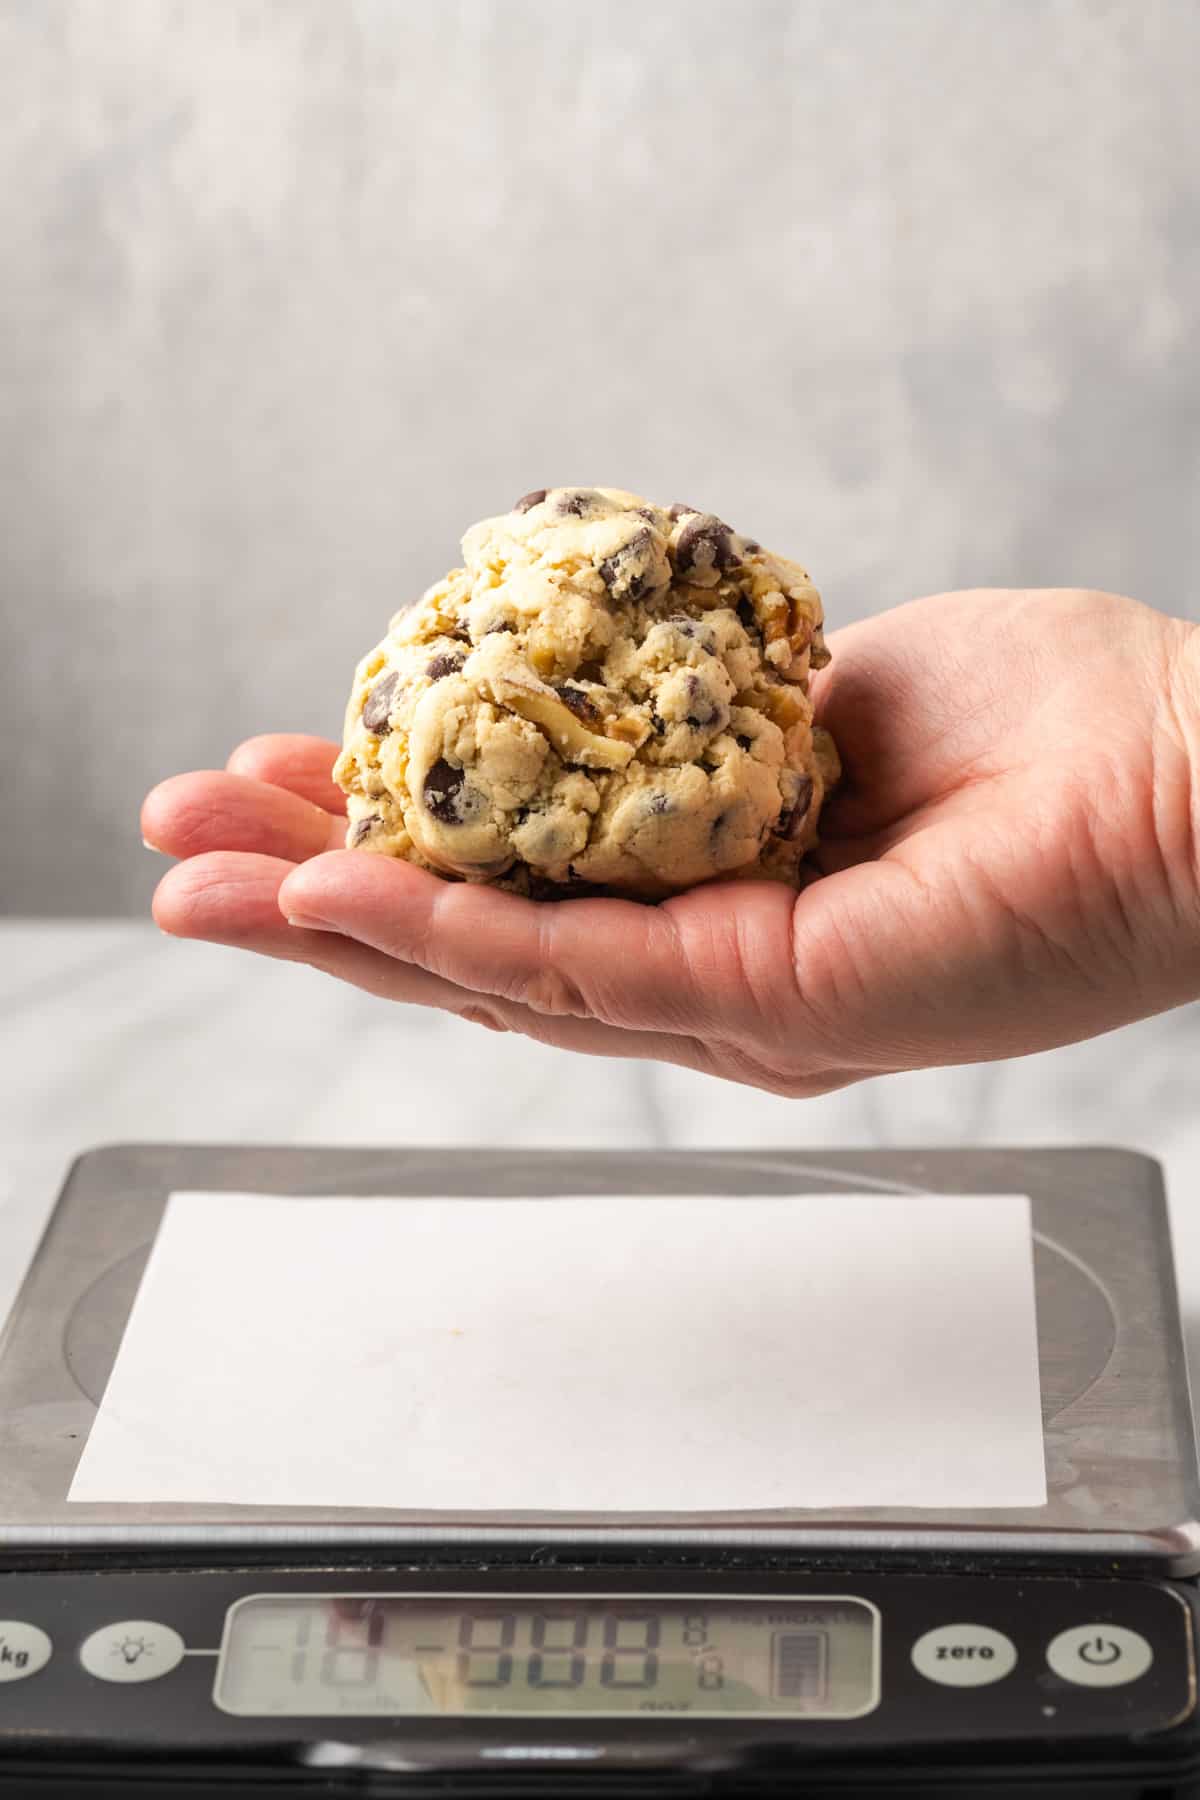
111, 1032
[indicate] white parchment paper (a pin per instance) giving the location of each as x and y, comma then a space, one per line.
689, 1353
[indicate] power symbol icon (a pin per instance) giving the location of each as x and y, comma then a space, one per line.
1099, 1655
1099, 1652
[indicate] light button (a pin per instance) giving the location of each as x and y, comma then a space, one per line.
1099, 1655
964, 1655
131, 1650
24, 1649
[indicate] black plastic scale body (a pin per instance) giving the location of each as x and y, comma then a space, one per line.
205, 1651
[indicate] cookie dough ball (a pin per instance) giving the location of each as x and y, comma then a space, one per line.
608, 694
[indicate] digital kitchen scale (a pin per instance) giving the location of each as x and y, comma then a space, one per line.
208, 1650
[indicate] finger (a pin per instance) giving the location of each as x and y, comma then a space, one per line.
861, 699
288, 760
914, 698
697, 964
213, 810
833, 854
231, 898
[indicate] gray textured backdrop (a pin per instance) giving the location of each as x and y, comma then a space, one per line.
293, 290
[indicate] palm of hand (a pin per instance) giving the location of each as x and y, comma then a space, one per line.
1011, 838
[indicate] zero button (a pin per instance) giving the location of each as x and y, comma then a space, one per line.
964, 1655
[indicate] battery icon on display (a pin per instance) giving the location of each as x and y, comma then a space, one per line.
801, 1665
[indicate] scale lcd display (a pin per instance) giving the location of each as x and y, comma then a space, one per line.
541, 1655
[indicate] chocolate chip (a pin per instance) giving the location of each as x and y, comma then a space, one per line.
581, 704
629, 571
379, 704
752, 545
443, 790
538, 886
647, 513
363, 829
705, 543
679, 512
526, 879
684, 626
659, 804
708, 711
745, 743
790, 823
656, 722
501, 625
441, 666
576, 502
747, 614
527, 502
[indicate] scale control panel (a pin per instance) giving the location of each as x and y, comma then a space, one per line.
466, 1667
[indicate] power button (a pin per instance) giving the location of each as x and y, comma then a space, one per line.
1099, 1655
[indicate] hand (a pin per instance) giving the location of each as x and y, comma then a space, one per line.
1012, 863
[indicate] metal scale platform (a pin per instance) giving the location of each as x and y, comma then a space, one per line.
1047, 1650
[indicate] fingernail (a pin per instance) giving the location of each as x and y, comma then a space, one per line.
307, 924
157, 848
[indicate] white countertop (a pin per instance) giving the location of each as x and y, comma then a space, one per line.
110, 1032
